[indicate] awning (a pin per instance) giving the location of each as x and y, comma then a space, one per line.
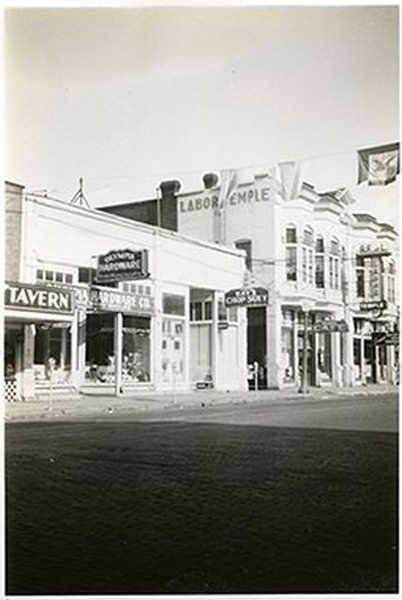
33, 316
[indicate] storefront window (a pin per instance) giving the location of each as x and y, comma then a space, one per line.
100, 348
52, 353
288, 355
357, 357
136, 349
323, 341
100, 356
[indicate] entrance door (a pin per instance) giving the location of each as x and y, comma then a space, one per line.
257, 343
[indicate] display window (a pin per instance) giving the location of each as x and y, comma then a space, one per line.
136, 349
288, 355
100, 356
52, 353
99, 348
324, 366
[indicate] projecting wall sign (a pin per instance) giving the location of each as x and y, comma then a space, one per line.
119, 265
254, 296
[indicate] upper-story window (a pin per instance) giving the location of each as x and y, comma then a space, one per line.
391, 281
291, 253
86, 274
246, 245
375, 278
291, 236
308, 255
201, 311
50, 276
334, 265
319, 262
360, 277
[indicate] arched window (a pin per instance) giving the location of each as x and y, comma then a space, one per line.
319, 262
291, 253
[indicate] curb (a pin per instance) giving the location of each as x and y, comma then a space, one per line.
78, 409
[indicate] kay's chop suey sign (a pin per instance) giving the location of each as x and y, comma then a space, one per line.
254, 296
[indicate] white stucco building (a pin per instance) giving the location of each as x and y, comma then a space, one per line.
167, 330
315, 256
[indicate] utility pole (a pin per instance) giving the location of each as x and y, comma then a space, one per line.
306, 309
304, 383
379, 305
158, 207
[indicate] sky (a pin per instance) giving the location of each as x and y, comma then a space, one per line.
129, 97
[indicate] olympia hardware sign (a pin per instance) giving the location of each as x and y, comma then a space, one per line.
120, 265
22, 295
255, 296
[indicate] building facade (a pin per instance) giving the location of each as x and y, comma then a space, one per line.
330, 275
68, 327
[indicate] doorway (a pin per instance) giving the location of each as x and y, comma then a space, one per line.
257, 345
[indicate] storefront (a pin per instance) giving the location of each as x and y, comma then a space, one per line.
37, 341
107, 342
325, 349
109, 311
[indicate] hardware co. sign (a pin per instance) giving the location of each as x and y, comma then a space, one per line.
254, 296
119, 265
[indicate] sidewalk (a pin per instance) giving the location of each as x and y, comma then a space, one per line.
90, 406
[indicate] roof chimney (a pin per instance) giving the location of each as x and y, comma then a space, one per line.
210, 180
167, 204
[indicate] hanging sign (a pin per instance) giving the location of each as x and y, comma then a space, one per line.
122, 265
253, 296
373, 251
392, 339
373, 305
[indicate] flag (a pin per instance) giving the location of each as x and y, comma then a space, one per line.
378, 165
228, 185
345, 196
228, 182
291, 179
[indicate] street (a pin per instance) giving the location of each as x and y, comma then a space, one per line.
357, 412
297, 497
